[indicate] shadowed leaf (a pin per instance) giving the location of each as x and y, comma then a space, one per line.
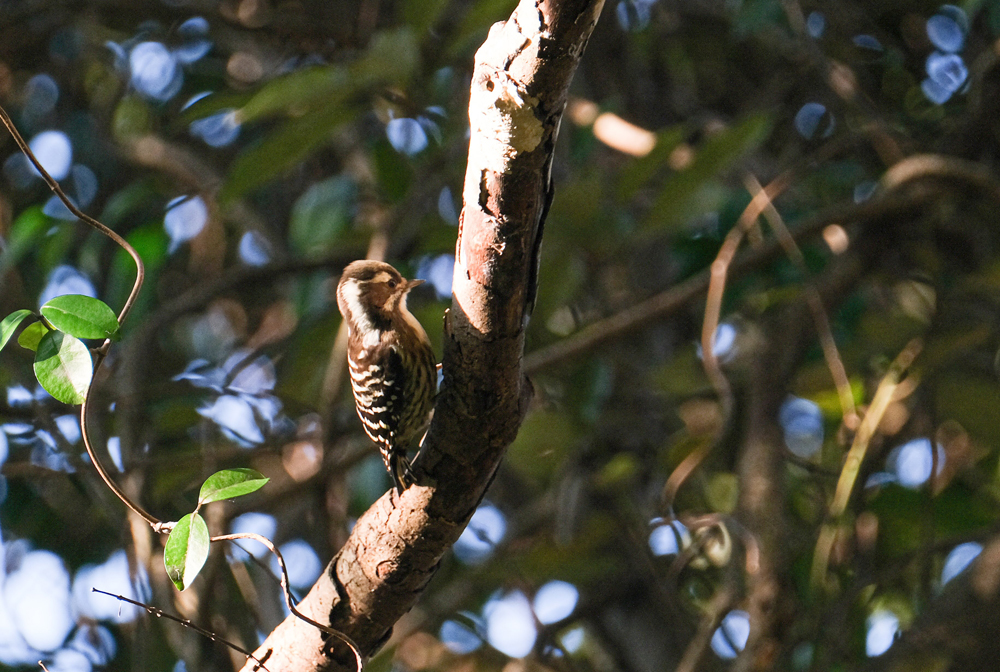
10, 325
186, 550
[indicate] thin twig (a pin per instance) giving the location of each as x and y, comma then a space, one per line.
102, 351
889, 202
717, 608
186, 622
359, 659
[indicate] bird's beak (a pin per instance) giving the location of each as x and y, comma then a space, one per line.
414, 283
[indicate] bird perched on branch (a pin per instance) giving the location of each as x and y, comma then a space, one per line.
391, 363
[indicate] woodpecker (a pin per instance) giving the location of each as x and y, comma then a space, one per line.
393, 373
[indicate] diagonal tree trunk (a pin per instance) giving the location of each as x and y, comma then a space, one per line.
519, 89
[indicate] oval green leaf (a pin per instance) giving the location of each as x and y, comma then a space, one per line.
81, 316
10, 324
230, 483
186, 550
31, 336
63, 367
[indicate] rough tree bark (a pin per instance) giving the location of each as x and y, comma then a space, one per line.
519, 89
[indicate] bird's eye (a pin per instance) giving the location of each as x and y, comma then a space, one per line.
392, 284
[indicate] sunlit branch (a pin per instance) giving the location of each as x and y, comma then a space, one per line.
359, 659
855, 456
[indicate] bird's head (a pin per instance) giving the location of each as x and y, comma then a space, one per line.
370, 293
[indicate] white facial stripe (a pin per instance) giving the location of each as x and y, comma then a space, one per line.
381, 277
351, 292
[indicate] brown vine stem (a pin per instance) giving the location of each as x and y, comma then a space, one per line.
713, 309
102, 351
889, 201
717, 287
359, 659
830, 352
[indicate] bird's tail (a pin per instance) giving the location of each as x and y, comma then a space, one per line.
399, 469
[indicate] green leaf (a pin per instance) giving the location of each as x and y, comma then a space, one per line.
392, 57
695, 188
220, 101
394, 171
31, 336
421, 15
132, 118
637, 173
287, 146
755, 16
230, 483
297, 89
186, 550
25, 231
318, 102
63, 367
81, 316
10, 325
321, 214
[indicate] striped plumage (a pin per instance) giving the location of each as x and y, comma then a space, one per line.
390, 361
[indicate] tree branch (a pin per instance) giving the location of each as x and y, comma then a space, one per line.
519, 90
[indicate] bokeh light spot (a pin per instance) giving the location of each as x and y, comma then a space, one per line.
37, 596
555, 601
911, 463
484, 532
254, 250
813, 120
802, 421
301, 561
438, 271
185, 219
40, 95
510, 626
54, 151
406, 136
154, 71
882, 628
815, 24
66, 280
259, 523
958, 559
668, 538
731, 635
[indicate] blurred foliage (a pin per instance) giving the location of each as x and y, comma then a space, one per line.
334, 128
